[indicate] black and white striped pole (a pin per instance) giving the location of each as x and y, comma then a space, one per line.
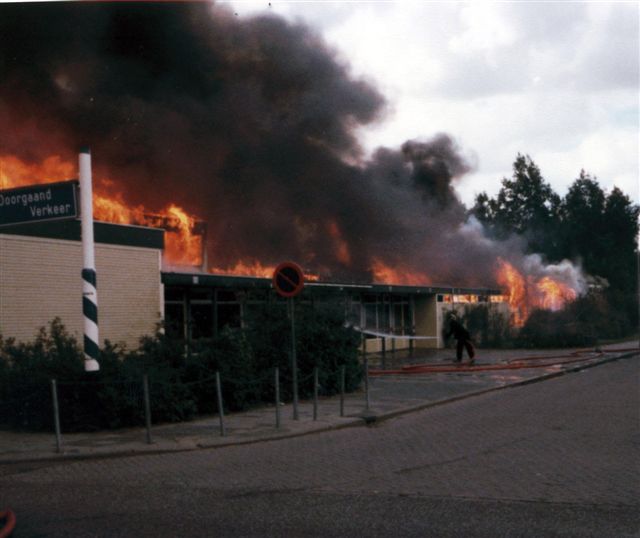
89, 291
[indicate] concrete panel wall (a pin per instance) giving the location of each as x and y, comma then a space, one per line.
426, 321
40, 280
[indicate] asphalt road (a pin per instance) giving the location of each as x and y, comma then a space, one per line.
557, 458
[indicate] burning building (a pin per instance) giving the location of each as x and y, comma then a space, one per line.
195, 115
39, 281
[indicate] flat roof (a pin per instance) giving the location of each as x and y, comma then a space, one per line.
104, 232
206, 280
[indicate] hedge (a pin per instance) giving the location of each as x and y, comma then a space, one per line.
181, 374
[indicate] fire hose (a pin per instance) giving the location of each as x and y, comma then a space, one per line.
511, 364
9, 518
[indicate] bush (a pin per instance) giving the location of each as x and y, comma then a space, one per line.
322, 341
583, 322
163, 360
28, 370
230, 354
487, 326
181, 376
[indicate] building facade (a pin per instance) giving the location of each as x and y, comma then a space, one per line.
198, 305
40, 267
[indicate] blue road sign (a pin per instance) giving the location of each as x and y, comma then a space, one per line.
49, 201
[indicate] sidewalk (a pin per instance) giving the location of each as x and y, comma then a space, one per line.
389, 395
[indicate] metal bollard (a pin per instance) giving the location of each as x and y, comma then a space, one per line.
315, 393
220, 407
56, 414
277, 383
147, 406
366, 383
342, 376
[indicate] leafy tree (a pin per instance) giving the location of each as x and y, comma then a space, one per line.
620, 231
582, 215
526, 205
588, 225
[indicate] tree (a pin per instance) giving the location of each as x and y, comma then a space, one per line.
589, 226
526, 205
582, 217
620, 231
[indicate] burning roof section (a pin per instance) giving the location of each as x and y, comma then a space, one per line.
246, 282
249, 124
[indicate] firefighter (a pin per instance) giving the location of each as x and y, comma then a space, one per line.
463, 340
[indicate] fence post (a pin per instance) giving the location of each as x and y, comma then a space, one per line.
365, 364
342, 375
220, 408
315, 393
56, 414
277, 382
366, 383
147, 406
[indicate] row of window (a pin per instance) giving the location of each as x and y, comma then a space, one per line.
466, 299
202, 313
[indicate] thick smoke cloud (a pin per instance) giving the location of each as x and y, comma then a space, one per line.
248, 124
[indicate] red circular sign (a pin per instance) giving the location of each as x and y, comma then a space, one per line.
288, 279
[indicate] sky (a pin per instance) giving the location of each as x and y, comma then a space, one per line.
556, 81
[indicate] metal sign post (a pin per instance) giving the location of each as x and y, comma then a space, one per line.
294, 359
288, 281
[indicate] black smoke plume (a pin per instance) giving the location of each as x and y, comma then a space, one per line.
247, 123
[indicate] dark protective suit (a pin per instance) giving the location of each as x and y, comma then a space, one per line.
464, 339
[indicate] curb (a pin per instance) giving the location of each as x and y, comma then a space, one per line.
372, 419
366, 418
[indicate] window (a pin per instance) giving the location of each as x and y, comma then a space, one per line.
174, 320
228, 310
201, 319
229, 315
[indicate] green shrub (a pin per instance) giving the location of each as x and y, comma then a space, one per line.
181, 375
230, 354
28, 370
487, 326
583, 322
322, 341
163, 360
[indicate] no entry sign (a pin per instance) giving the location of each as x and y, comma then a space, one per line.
288, 279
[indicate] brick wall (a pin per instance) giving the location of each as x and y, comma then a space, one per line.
40, 280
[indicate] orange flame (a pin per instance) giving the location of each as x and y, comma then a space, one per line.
182, 245
554, 295
514, 285
114, 209
341, 247
16, 173
526, 294
256, 269
246, 268
383, 274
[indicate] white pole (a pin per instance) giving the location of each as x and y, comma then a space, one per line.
89, 291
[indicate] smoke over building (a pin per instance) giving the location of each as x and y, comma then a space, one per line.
249, 124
